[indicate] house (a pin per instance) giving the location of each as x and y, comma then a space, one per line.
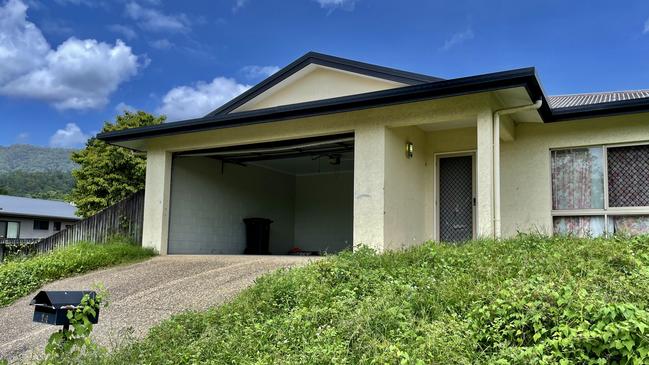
27, 218
339, 153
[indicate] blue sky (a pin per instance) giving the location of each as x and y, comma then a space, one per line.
66, 66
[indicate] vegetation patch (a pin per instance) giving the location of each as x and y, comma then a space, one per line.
20, 276
529, 300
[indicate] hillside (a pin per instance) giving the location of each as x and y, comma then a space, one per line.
529, 300
36, 172
28, 158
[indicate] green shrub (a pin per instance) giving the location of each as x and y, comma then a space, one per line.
21, 276
526, 300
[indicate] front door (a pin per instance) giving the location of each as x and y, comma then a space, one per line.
456, 198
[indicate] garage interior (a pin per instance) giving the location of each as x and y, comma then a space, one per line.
304, 186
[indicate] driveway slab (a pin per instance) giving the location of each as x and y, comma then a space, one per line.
141, 295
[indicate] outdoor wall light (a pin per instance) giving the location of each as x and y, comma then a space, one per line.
410, 150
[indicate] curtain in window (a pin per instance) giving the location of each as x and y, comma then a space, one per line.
578, 179
579, 226
629, 224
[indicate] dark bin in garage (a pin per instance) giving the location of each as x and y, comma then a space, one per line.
257, 236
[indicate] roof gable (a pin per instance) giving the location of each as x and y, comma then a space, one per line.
295, 82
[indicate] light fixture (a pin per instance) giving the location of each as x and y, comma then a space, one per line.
410, 150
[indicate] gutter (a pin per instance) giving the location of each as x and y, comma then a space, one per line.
496, 159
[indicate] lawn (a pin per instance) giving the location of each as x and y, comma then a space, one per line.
21, 276
523, 301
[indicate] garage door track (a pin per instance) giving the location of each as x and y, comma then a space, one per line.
141, 295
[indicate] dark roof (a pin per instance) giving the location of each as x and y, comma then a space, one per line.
408, 78
421, 87
525, 78
28, 207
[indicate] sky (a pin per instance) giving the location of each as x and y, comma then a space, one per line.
67, 66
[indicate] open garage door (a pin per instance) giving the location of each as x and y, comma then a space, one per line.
304, 186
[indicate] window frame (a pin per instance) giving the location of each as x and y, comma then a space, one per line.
41, 229
7, 229
607, 211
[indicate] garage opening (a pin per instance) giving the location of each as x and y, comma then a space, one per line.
304, 186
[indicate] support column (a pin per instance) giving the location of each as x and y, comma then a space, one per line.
155, 229
369, 187
484, 175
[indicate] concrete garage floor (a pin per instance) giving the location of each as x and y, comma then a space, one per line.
141, 295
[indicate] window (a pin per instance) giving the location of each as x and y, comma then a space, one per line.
41, 225
600, 190
57, 226
9, 229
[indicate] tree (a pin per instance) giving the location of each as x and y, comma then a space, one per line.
4, 191
107, 173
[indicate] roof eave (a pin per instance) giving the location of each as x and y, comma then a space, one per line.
600, 110
525, 77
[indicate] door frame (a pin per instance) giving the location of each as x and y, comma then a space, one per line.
437, 175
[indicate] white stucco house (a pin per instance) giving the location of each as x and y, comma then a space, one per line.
27, 218
339, 153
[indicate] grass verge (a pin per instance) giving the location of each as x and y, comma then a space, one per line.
523, 301
21, 276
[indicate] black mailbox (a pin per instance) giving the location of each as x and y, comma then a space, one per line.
51, 307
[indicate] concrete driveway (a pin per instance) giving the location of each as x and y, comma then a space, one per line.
141, 295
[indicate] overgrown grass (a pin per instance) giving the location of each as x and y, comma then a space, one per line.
21, 276
526, 300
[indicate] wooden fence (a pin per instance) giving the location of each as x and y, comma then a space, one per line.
121, 219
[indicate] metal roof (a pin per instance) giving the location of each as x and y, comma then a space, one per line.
575, 100
28, 207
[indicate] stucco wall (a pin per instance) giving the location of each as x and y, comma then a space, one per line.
320, 83
324, 211
405, 184
208, 207
525, 173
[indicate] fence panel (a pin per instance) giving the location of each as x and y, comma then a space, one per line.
123, 218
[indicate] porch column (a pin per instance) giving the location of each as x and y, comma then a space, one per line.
369, 186
484, 175
155, 229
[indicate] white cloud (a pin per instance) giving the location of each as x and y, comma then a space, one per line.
254, 71
78, 74
238, 4
123, 107
348, 5
161, 44
124, 30
646, 27
22, 138
458, 38
184, 102
70, 136
154, 20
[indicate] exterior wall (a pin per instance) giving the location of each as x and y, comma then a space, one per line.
320, 83
369, 127
208, 207
27, 226
525, 172
155, 226
324, 211
405, 189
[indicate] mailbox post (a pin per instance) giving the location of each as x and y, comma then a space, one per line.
51, 307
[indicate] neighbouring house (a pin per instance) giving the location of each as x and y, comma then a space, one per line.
339, 153
27, 218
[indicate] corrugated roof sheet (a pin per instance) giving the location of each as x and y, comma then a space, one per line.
13, 205
567, 101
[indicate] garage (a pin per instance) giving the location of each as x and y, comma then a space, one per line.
304, 186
